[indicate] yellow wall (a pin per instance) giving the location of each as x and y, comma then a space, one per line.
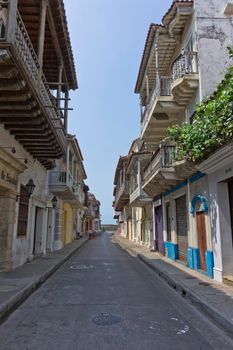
67, 223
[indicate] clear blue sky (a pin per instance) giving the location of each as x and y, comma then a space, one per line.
108, 38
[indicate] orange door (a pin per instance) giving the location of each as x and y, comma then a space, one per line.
201, 233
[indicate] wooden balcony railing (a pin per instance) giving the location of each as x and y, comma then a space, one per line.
163, 158
61, 178
123, 190
26, 57
161, 89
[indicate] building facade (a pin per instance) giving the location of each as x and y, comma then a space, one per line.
92, 217
37, 72
184, 60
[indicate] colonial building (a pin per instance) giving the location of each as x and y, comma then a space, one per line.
141, 229
36, 73
92, 218
179, 68
184, 60
121, 194
66, 182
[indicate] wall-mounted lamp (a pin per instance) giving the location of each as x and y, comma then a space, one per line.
13, 150
54, 203
30, 188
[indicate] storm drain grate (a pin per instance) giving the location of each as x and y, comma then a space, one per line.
105, 319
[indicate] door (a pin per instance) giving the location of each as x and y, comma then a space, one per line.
159, 243
49, 230
201, 236
182, 227
38, 232
143, 226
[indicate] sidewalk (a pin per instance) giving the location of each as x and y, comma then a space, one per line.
18, 284
210, 297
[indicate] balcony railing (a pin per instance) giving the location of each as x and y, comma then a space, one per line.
161, 89
26, 56
122, 191
162, 159
61, 178
90, 212
185, 64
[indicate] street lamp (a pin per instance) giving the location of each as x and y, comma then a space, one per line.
30, 187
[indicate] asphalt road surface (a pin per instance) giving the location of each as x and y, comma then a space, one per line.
104, 299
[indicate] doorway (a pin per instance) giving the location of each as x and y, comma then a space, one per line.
201, 236
143, 226
38, 232
182, 227
159, 243
49, 230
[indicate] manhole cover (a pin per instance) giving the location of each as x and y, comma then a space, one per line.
106, 319
81, 267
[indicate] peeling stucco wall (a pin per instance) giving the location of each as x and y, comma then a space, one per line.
214, 34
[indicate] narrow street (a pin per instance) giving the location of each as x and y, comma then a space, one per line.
103, 298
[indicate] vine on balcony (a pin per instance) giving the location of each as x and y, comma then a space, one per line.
212, 125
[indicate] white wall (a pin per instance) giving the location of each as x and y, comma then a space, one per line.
214, 35
23, 246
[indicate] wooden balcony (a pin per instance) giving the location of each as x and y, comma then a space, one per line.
159, 175
27, 108
122, 195
139, 198
161, 112
64, 187
163, 172
90, 213
185, 78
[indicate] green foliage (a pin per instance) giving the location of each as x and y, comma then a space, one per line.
212, 124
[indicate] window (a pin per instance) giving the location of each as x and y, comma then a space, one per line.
23, 212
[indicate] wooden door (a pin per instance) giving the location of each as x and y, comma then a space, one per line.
201, 235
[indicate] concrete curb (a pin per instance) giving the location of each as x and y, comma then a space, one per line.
10, 305
213, 314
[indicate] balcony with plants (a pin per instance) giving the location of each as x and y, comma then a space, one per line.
211, 127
